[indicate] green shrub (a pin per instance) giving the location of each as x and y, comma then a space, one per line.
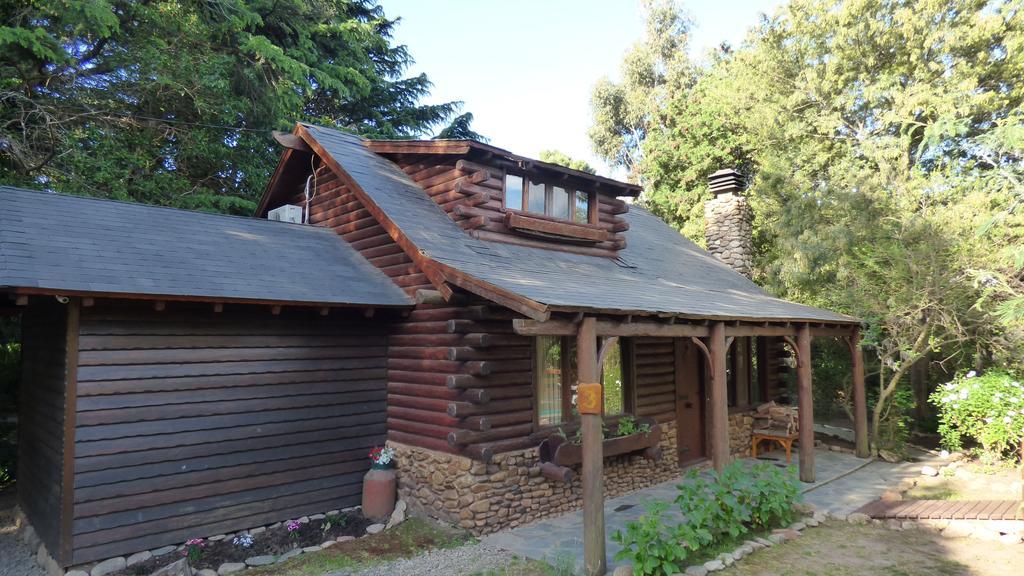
987, 409
715, 507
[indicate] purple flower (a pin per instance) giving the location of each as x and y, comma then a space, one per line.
293, 525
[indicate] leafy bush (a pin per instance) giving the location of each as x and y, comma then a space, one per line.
987, 409
715, 508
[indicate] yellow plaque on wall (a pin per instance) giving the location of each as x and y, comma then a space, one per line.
588, 399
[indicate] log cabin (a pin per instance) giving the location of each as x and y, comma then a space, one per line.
190, 374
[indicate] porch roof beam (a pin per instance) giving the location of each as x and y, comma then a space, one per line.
607, 327
559, 327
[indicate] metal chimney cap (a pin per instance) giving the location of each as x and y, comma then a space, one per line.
726, 181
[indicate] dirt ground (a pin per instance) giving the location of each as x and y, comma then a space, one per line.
841, 549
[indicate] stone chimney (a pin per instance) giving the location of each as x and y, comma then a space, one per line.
729, 222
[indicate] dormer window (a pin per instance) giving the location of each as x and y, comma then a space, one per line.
553, 200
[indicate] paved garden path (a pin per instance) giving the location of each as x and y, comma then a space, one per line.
844, 483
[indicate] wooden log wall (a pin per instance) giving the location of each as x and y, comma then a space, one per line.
41, 417
335, 206
192, 423
460, 381
654, 377
473, 196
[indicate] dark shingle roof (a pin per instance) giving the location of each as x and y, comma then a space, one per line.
55, 242
661, 271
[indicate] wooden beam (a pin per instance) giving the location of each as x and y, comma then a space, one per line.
159, 305
560, 327
88, 302
218, 307
291, 141
860, 404
67, 487
593, 456
21, 300
275, 310
833, 331
755, 330
510, 300
719, 416
805, 402
324, 311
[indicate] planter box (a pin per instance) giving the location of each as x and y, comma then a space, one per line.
557, 450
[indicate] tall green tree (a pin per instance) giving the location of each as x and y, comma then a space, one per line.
626, 110
172, 102
563, 159
882, 141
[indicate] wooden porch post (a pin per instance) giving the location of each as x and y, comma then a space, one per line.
593, 457
719, 415
805, 402
860, 404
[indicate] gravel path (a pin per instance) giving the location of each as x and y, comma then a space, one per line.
15, 558
468, 559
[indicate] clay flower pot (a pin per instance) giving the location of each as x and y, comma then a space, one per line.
379, 491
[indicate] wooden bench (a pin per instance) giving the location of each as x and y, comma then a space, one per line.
767, 435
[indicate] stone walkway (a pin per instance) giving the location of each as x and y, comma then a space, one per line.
844, 483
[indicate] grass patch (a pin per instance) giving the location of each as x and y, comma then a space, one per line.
409, 538
934, 492
841, 549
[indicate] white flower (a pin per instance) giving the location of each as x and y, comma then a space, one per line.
950, 385
1007, 419
970, 374
963, 394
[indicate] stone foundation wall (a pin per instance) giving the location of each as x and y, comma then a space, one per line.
510, 491
741, 432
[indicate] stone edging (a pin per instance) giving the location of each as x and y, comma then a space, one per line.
49, 564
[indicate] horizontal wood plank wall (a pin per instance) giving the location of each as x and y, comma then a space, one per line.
654, 372
335, 206
192, 423
473, 196
41, 417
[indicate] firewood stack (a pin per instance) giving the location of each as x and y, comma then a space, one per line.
776, 418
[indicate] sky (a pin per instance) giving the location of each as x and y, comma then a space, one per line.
525, 68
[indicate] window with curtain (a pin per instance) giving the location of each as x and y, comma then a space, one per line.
548, 373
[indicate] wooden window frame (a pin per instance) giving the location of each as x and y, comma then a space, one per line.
549, 199
570, 377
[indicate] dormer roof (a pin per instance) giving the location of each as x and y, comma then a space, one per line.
474, 149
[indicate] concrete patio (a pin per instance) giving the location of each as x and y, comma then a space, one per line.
844, 483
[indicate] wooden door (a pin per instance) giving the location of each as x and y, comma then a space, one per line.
690, 430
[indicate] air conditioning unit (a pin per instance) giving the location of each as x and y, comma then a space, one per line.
287, 213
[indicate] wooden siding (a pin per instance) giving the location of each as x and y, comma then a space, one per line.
473, 196
41, 418
192, 423
654, 369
